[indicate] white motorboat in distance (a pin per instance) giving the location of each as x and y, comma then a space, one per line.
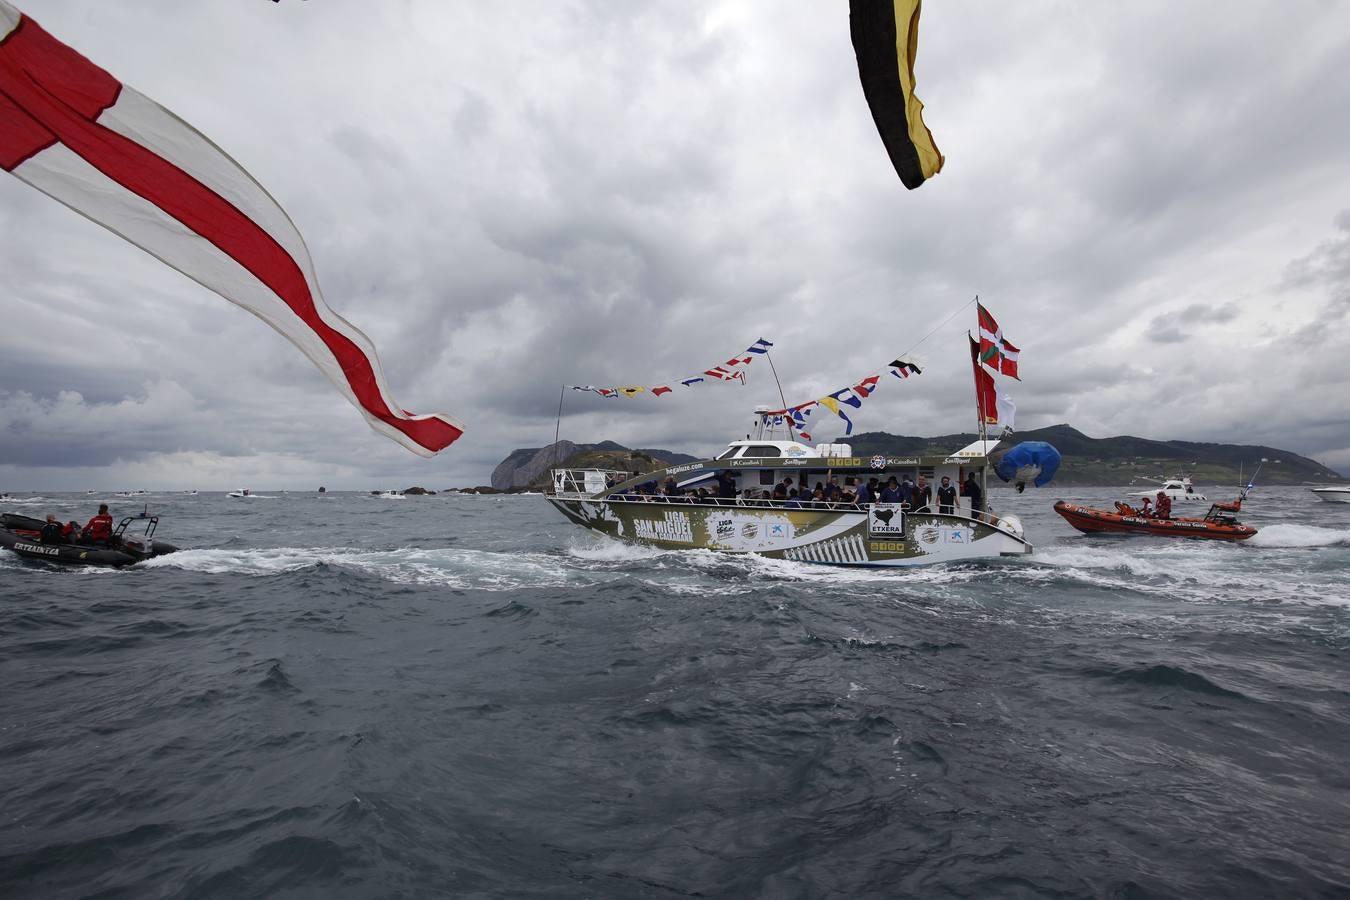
1178, 490
1333, 494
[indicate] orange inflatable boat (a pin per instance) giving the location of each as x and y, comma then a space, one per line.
1218, 524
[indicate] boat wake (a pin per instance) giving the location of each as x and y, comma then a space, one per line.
698, 572
444, 567
1196, 572
1293, 536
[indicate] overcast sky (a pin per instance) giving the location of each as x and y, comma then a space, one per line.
1153, 198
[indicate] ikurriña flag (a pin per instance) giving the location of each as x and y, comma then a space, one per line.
74, 132
996, 351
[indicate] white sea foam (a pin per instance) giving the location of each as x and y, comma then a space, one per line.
1198, 571
615, 552
1292, 536
447, 567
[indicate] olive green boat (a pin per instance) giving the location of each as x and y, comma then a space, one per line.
675, 509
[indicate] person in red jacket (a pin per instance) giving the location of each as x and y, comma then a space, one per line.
1163, 508
100, 526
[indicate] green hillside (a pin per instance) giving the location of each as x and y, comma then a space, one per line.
1118, 460
1086, 460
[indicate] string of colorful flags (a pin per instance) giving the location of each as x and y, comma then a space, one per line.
731, 370
799, 416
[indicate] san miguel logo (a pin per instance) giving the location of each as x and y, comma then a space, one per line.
673, 527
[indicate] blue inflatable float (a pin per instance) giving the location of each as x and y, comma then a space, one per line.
1033, 461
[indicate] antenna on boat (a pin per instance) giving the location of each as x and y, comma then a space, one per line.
557, 428
787, 415
1251, 485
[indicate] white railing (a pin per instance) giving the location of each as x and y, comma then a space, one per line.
586, 482
583, 483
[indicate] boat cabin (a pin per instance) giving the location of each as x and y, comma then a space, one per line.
754, 468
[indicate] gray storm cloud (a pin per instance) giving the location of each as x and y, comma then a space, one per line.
512, 198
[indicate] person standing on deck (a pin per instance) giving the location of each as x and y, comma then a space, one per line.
891, 493
923, 496
946, 497
972, 489
863, 495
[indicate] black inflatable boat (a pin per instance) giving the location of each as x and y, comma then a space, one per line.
21, 534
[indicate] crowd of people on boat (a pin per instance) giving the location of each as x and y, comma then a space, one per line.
1161, 510
854, 494
98, 531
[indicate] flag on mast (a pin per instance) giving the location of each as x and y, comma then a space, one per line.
996, 351
986, 397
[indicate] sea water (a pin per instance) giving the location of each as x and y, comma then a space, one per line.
341, 695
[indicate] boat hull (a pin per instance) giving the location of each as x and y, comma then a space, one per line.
19, 535
1333, 495
1091, 520
877, 535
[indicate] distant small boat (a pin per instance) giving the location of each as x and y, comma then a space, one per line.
1178, 490
189, 492
239, 494
1333, 494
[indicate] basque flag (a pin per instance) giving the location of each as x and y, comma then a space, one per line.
71, 130
996, 351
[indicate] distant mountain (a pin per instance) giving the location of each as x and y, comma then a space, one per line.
1087, 461
526, 466
1119, 460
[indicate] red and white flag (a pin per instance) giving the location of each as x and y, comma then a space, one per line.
71, 130
986, 395
995, 350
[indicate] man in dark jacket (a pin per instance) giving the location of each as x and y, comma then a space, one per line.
972, 489
51, 532
923, 496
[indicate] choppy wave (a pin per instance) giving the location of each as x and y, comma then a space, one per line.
198, 724
1192, 571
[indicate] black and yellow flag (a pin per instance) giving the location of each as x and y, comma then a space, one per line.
885, 40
